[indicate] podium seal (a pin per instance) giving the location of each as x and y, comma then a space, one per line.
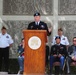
34, 42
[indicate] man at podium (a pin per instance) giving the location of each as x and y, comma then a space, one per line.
39, 25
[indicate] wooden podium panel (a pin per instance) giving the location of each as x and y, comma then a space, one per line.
34, 59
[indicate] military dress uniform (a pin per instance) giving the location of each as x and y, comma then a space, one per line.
5, 41
64, 40
41, 26
56, 50
38, 26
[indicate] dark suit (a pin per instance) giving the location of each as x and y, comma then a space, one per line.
41, 26
71, 52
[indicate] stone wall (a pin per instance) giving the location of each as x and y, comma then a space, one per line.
17, 14
27, 7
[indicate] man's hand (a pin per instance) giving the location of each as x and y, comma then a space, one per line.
59, 55
55, 55
73, 58
10, 45
50, 29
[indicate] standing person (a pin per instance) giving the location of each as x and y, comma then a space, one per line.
21, 56
64, 39
58, 53
38, 24
71, 54
5, 44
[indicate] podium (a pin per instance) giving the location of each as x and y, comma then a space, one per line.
34, 52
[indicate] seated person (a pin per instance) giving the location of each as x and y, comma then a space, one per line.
71, 54
58, 53
21, 56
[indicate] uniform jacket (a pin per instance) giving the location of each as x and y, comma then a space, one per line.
64, 40
61, 49
41, 26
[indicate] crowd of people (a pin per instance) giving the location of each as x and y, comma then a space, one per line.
60, 49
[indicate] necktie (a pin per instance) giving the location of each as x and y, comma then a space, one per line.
37, 23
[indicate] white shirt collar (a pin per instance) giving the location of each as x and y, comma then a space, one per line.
58, 44
4, 34
37, 22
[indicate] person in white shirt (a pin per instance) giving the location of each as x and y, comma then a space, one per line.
5, 43
64, 39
